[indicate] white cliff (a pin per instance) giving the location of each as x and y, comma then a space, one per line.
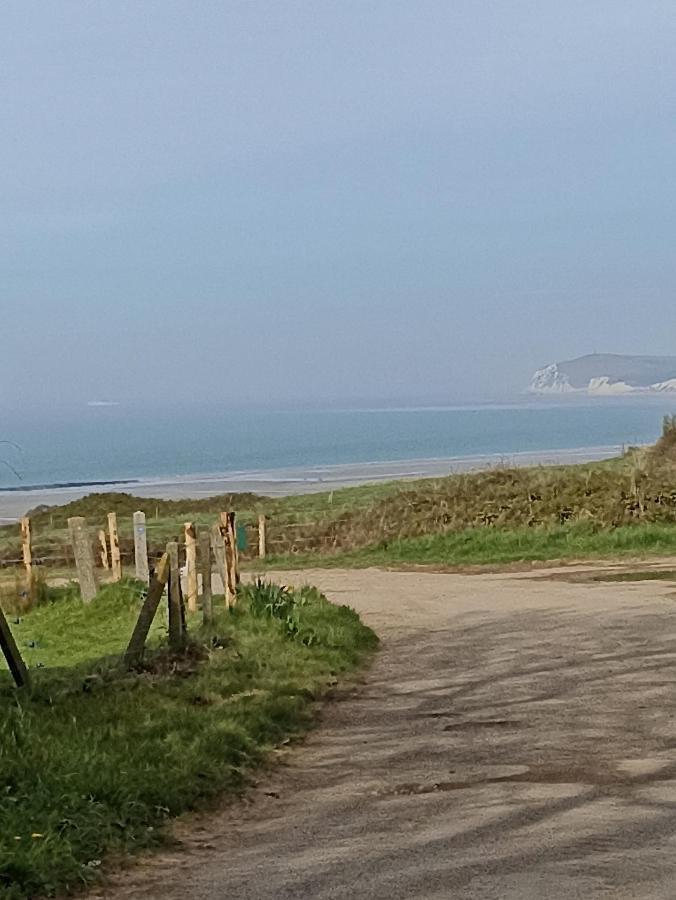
607, 375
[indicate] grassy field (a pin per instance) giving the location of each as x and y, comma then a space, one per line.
95, 761
489, 547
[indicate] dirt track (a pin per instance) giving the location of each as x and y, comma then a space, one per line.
515, 739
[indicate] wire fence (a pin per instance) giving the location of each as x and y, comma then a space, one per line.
282, 536
322, 527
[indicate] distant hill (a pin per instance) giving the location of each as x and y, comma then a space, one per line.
607, 374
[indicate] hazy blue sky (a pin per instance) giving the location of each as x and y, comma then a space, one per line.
356, 198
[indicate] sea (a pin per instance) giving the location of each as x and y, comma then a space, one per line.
104, 444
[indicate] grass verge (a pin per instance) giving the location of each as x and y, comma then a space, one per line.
495, 546
95, 762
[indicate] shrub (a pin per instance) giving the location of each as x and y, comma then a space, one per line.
305, 615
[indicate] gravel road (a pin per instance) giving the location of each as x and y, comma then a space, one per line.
515, 739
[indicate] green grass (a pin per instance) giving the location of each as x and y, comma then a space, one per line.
494, 546
65, 632
94, 762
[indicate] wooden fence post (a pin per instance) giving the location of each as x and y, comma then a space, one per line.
230, 563
14, 661
218, 548
84, 557
134, 652
104, 549
115, 558
205, 568
191, 565
232, 528
27, 550
141, 546
175, 602
262, 537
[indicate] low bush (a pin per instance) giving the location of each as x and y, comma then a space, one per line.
304, 614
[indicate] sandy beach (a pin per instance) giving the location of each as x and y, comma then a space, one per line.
284, 482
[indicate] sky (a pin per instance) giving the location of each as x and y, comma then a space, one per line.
344, 201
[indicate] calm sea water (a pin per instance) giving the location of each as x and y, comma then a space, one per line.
99, 444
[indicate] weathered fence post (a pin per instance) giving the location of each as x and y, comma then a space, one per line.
175, 611
84, 557
205, 568
134, 652
115, 557
141, 546
262, 537
27, 550
191, 565
230, 562
14, 661
104, 549
232, 529
218, 548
